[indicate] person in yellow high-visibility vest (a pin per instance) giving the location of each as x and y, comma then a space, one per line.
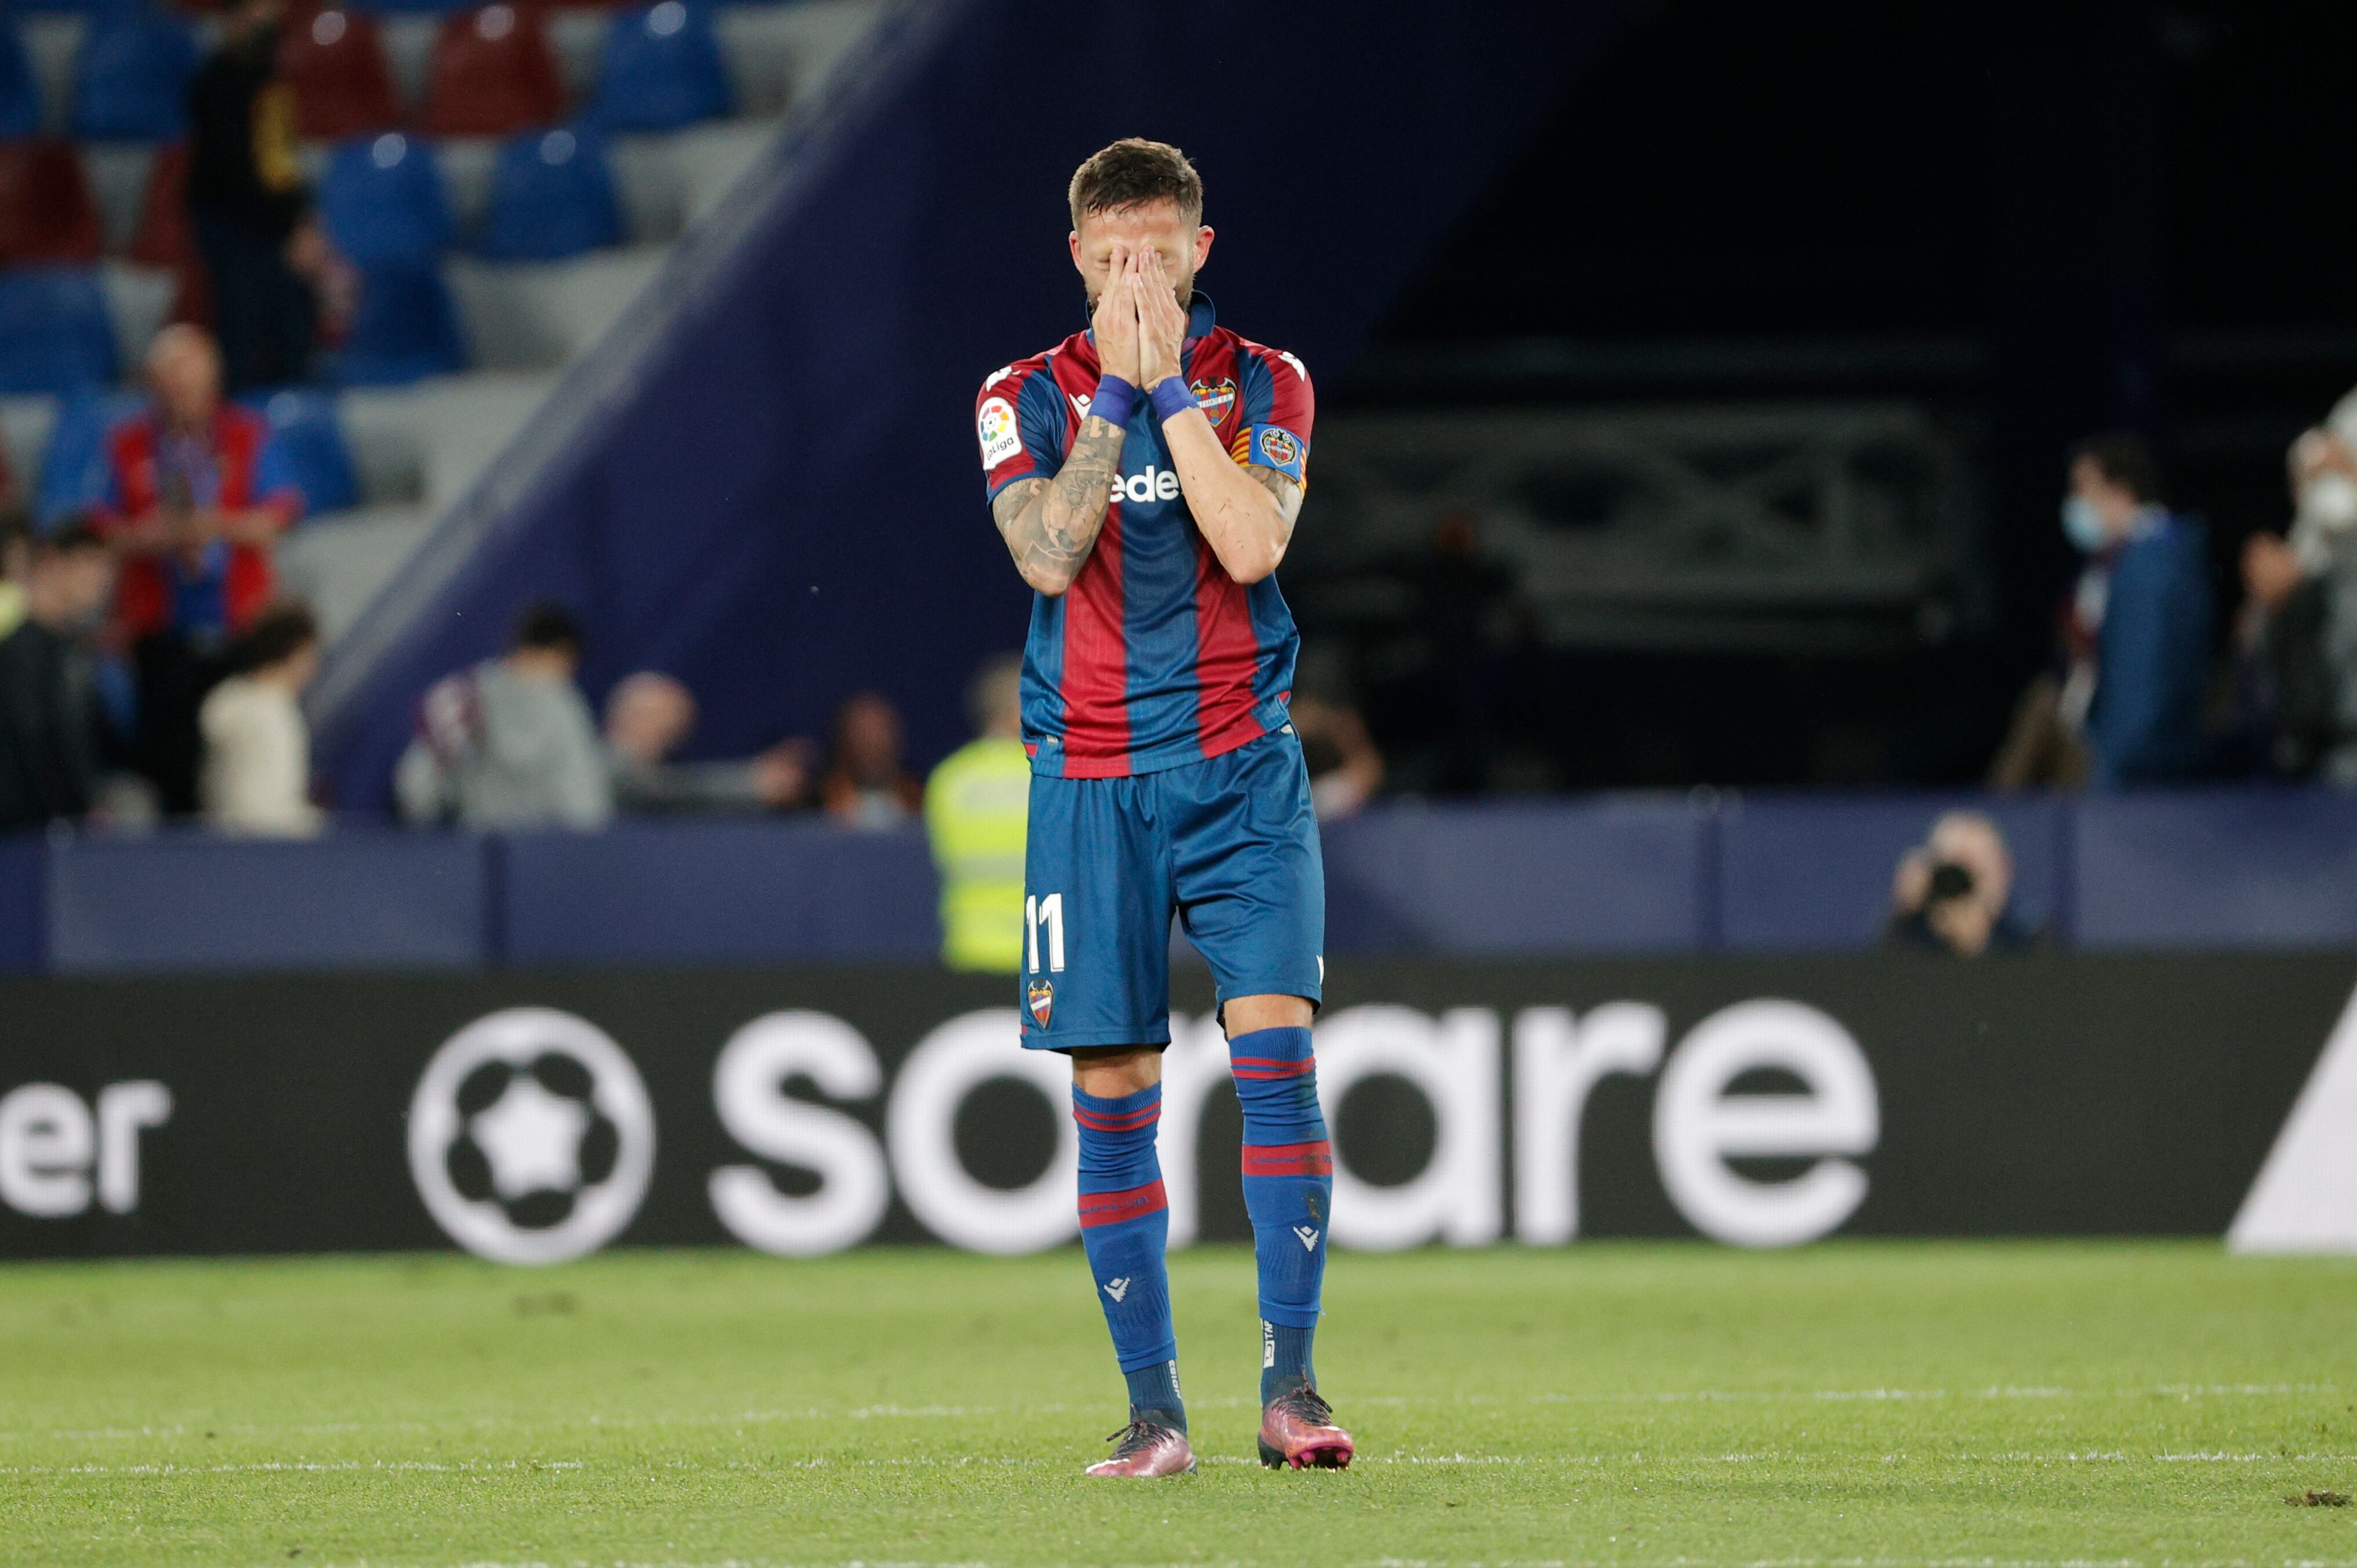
975, 805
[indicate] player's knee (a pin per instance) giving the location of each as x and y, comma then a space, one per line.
1245, 1014
1110, 1072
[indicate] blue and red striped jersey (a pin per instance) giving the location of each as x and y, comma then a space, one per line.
1155, 657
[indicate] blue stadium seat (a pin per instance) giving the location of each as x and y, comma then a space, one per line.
381, 199
404, 329
74, 468
20, 95
306, 427
662, 69
551, 197
130, 79
55, 336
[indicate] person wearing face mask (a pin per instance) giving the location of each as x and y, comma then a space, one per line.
2135, 636
49, 715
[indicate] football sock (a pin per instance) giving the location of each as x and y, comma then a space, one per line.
1288, 1192
1125, 1229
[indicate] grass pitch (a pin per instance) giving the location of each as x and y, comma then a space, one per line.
1883, 1403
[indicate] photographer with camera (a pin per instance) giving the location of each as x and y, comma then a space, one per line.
1952, 893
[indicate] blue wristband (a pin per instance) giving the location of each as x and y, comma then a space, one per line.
1113, 400
1169, 396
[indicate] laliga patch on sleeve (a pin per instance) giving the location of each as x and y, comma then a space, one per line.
1273, 447
995, 424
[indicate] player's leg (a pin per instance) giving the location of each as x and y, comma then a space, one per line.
1251, 891
1125, 1230
1096, 985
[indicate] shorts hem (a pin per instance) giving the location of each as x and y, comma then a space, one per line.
1313, 994
1087, 1039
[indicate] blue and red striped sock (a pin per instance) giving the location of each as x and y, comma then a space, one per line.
1125, 1230
1288, 1192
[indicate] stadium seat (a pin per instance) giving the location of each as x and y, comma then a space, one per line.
55, 335
46, 211
305, 424
551, 197
163, 237
405, 328
335, 59
492, 73
73, 466
382, 201
20, 94
130, 79
662, 69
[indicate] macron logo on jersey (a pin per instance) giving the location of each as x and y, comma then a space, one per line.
1154, 485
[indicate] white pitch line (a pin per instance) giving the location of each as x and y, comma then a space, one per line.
2184, 1391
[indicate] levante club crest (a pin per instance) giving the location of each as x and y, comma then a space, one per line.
1214, 398
1043, 1001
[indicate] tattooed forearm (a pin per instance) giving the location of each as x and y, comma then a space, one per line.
1285, 488
1050, 526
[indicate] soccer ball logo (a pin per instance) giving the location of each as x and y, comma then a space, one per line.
531, 1138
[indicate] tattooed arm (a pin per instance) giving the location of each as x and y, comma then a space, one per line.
1050, 526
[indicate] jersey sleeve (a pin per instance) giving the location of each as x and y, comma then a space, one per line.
1280, 405
1016, 420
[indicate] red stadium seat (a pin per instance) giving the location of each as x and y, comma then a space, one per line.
164, 238
335, 59
492, 74
46, 211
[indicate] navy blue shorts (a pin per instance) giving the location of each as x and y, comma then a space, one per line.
1228, 844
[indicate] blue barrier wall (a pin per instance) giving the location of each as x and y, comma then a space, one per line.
1615, 874
1807, 873
363, 900
2217, 869
1605, 875
724, 891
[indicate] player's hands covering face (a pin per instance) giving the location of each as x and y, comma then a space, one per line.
1161, 325
1116, 320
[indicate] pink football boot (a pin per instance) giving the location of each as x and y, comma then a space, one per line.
1298, 1429
1146, 1449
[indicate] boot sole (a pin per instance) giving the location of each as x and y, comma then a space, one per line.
1317, 1456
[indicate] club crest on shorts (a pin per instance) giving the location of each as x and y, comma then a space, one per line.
1042, 996
1214, 398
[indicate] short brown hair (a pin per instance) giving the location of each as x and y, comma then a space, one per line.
1132, 173
2127, 459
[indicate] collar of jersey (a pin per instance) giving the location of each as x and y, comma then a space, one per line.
1200, 319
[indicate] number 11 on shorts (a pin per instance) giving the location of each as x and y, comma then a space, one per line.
1048, 912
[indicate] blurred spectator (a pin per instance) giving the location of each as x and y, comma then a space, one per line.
1953, 893
2324, 542
49, 712
2284, 721
865, 784
257, 772
509, 744
1467, 608
976, 805
199, 492
15, 551
263, 251
2136, 636
1345, 768
648, 717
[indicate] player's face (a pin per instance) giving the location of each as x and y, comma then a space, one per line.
1106, 238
